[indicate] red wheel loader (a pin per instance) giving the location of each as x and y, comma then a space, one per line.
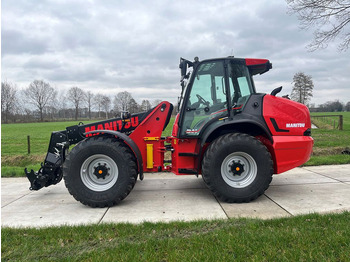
225, 131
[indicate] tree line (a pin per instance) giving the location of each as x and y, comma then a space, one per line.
331, 106
41, 102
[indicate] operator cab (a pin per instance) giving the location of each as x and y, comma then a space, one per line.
215, 90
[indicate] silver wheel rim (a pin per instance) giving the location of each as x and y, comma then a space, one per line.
246, 169
90, 168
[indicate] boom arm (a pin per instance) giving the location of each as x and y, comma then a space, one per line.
131, 129
50, 172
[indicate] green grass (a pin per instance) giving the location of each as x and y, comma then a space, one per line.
14, 137
17, 171
328, 160
332, 137
169, 128
302, 238
329, 143
14, 146
346, 117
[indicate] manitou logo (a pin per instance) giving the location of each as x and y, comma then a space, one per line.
291, 125
116, 125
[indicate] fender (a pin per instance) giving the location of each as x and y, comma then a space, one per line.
237, 123
128, 141
252, 114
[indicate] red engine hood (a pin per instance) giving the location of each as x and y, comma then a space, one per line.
285, 117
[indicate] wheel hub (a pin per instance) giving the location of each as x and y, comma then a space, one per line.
236, 168
101, 171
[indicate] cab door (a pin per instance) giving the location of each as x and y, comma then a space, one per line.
207, 98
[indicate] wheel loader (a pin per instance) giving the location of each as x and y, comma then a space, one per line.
225, 131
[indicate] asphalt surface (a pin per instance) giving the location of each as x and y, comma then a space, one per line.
166, 197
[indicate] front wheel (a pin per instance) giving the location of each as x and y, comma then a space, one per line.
237, 168
100, 171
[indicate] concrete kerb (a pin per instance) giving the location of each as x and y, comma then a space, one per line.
164, 197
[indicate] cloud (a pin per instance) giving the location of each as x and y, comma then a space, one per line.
16, 40
108, 46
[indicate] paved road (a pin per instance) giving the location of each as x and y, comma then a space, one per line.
166, 197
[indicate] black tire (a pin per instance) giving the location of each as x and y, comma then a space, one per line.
237, 168
100, 171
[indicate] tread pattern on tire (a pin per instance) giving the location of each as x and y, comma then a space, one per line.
113, 197
210, 178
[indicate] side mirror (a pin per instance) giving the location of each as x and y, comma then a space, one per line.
276, 91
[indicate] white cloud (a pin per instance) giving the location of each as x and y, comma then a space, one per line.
110, 46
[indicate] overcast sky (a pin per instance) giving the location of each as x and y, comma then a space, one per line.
113, 46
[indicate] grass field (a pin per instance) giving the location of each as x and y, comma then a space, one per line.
303, 238
14, 136
14, 147
329, 144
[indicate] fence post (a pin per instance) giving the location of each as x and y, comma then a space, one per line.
28, 142
340, 122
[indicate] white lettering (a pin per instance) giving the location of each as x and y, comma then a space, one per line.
293, 125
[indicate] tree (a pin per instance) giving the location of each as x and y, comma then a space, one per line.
89, 101
40, 94
98, 102
77, 97
156, 102
145, 105
347, 107
122, 101
336, 106
302, 89
331, 17
106, 104
8, 100
62, 105
133, 106
331, 106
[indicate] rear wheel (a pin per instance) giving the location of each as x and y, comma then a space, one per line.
237, 168
100, 171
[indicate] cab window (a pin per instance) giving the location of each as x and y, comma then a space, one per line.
240, 85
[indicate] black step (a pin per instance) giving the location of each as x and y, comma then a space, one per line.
188, 154
188, 171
